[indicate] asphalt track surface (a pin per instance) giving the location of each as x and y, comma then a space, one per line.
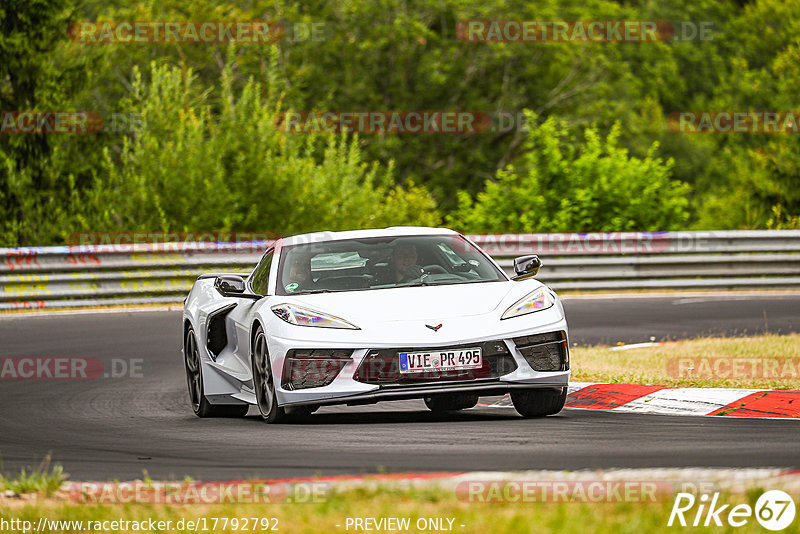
118, 428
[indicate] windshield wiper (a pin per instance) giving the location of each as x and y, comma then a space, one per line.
314, 291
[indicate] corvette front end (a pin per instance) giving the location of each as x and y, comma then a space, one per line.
365, 316
364, 365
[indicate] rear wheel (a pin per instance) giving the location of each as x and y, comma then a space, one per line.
264, 382
451, 402
194, 377
539, 402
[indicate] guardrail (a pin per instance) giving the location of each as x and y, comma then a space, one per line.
44, 277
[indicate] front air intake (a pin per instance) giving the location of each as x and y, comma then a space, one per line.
545, 352
313, 368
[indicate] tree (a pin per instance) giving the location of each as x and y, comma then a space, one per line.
213, 159
38, 72
567, 182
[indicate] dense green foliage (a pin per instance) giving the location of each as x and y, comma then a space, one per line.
187, 168
39, 70
595, 154
568, 184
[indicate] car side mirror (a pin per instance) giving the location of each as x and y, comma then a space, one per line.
526, 266
231, 285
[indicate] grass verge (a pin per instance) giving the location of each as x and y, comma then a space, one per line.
415, 504
44, 480
763, 362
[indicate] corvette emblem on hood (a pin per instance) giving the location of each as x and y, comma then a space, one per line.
434, 328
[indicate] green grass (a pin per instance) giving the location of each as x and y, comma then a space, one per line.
658, 365
477, 518
44, 480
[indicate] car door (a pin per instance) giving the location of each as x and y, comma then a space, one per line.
241, 317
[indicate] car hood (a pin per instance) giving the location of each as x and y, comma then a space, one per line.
418, 303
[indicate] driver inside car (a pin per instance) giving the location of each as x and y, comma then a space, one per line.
300, 275
404, 263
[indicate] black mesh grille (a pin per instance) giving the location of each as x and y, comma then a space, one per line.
313, 368
382, 367
545, 352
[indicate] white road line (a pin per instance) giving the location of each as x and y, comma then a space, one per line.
685, 401
639, 346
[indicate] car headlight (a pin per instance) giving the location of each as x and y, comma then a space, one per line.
539, 300
297, 315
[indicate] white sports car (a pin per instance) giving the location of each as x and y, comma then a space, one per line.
373, 315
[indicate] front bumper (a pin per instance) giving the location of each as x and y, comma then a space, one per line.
489, 388
346, 389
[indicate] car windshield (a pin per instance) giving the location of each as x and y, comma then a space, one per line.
382, 263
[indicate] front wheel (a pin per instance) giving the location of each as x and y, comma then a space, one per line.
264, 381
194, 378
539, 402
451, 402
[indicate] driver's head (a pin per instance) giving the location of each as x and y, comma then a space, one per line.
300, 269
405, 256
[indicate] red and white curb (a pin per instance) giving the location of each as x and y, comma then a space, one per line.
635, 398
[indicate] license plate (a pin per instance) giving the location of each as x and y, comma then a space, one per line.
444, 360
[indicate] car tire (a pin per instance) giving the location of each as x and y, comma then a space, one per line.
539, 402
264, 380
451, 402
194, 378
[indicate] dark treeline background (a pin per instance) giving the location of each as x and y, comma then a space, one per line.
205, 154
